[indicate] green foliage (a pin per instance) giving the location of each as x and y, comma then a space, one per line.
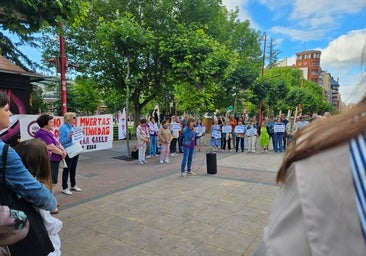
38, 103
86, 96
282, 89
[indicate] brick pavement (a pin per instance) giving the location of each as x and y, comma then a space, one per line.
131, 209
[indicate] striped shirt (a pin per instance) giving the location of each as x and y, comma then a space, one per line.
358, 164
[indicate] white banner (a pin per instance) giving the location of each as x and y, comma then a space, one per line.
97, 130
122, 129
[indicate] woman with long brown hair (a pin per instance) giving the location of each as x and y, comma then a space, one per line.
321, 205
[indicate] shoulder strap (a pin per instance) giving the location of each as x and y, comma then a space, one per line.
4, 157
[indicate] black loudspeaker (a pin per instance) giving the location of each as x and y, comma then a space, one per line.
211, 162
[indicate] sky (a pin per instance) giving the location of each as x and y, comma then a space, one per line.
335, 27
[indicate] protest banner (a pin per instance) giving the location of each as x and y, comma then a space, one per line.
94, 132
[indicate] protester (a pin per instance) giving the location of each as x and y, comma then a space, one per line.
174, 129
56, 150
164, 138
291, 129
189, 134
66, 132
34, 156
252, 136
264, 137
215, 141
153, 135
240, 131
278, 133
201, 129
320, 206
142, 134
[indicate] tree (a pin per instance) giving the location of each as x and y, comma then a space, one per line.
272, 54
121, 46
25, 17
86, 96
38, 103
198, 64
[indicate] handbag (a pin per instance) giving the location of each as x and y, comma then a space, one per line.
37, 242
62, 164
74, 150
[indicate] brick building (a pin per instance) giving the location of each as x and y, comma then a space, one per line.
309, 63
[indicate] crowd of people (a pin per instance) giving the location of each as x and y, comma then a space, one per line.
239, 134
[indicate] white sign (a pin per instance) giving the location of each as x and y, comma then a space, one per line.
78, 135
216, 134
226, 128
239, 129
279, 128
122, 129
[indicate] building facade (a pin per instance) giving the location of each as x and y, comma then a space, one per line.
309, 62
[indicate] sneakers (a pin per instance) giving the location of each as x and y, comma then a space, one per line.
67, 192
167, 161
141, 162
148, 156
183, 174
191, 173
172, 154
76, 188
161, 161
144, 161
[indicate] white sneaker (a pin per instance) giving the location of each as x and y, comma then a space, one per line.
161, 161
183, 174
141, 162
172, 154
76, 188
191, 173
145, 162
67, 192
148, 156
167, 161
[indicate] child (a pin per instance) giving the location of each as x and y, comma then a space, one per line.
34, 155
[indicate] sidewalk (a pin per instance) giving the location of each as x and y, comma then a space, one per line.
131, 209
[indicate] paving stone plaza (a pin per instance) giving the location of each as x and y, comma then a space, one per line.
131, 209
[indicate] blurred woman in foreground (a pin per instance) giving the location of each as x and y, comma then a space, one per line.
321, 205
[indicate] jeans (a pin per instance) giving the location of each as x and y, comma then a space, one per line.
241, 141
187, 159
71, 169
278, 142
152, 145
